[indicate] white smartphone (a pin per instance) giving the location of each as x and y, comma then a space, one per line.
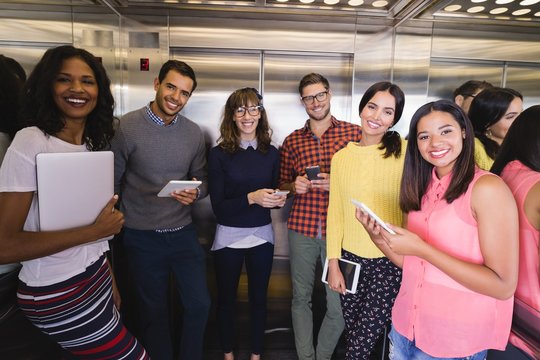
374, 216
281, 192
178, 185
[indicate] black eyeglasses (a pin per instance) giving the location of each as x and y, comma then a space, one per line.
308, 100
467, 95
252, 110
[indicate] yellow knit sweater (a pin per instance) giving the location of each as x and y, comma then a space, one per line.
481, 157
361, 173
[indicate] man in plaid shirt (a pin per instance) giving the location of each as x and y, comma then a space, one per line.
314, 144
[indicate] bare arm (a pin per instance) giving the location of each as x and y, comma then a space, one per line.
532, 210
19, 245
492, 204
532, 206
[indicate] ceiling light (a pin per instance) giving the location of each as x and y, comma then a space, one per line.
498, 11
475, 9
478, 1
502, 2
537, 14
521, 12
331, 2
355, 2
307, 1
282, 0
528, 2
378, 4
452, 8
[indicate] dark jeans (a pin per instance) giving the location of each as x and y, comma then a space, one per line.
228, 266
153, 257
19, 338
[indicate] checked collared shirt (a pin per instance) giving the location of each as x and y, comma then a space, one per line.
301, 149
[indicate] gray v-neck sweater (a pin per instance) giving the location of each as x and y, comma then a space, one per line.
146, 157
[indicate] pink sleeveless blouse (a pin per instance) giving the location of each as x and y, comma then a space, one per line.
445, 318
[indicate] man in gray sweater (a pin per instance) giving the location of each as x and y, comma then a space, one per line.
153, 145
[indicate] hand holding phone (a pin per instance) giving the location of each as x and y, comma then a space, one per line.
372, 215
312, 172
281, 192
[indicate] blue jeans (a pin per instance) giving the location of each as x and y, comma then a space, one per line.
402, 348
153, 257
228, 268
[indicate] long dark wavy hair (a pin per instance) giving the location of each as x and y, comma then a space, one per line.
391, 140
12, 78
522, 142
417, 171
487, 108
229, 138
39, 108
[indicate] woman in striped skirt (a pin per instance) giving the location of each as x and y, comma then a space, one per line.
66, 286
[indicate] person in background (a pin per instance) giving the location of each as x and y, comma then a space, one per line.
13, 78
153, 145
369, 171
66, 288
18, 337
243, 175
491, 113
518, 163
459, 270
313, 144
466, 92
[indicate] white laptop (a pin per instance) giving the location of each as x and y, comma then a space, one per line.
73, 188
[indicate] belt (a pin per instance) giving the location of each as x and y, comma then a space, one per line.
164, 231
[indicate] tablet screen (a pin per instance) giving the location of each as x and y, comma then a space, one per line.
350, 271
178, 185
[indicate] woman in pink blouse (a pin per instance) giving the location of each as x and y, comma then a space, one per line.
518, 163
459, 253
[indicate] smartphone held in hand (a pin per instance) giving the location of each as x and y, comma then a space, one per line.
372, 215
312, 172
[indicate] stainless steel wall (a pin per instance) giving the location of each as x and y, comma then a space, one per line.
232, 50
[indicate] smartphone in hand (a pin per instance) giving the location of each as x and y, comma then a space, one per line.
312, 172
374, 216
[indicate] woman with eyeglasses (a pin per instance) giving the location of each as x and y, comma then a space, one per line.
492, 112
243, 174
466, 92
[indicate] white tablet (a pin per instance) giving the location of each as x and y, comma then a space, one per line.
374, 216
60, 178
350, 271
178, 185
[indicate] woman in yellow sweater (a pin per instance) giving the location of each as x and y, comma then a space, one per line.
368, 171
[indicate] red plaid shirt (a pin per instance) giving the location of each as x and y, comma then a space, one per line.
301, 149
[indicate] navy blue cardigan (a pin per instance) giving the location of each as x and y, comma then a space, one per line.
232, 176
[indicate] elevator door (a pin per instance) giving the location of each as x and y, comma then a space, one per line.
276, 75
